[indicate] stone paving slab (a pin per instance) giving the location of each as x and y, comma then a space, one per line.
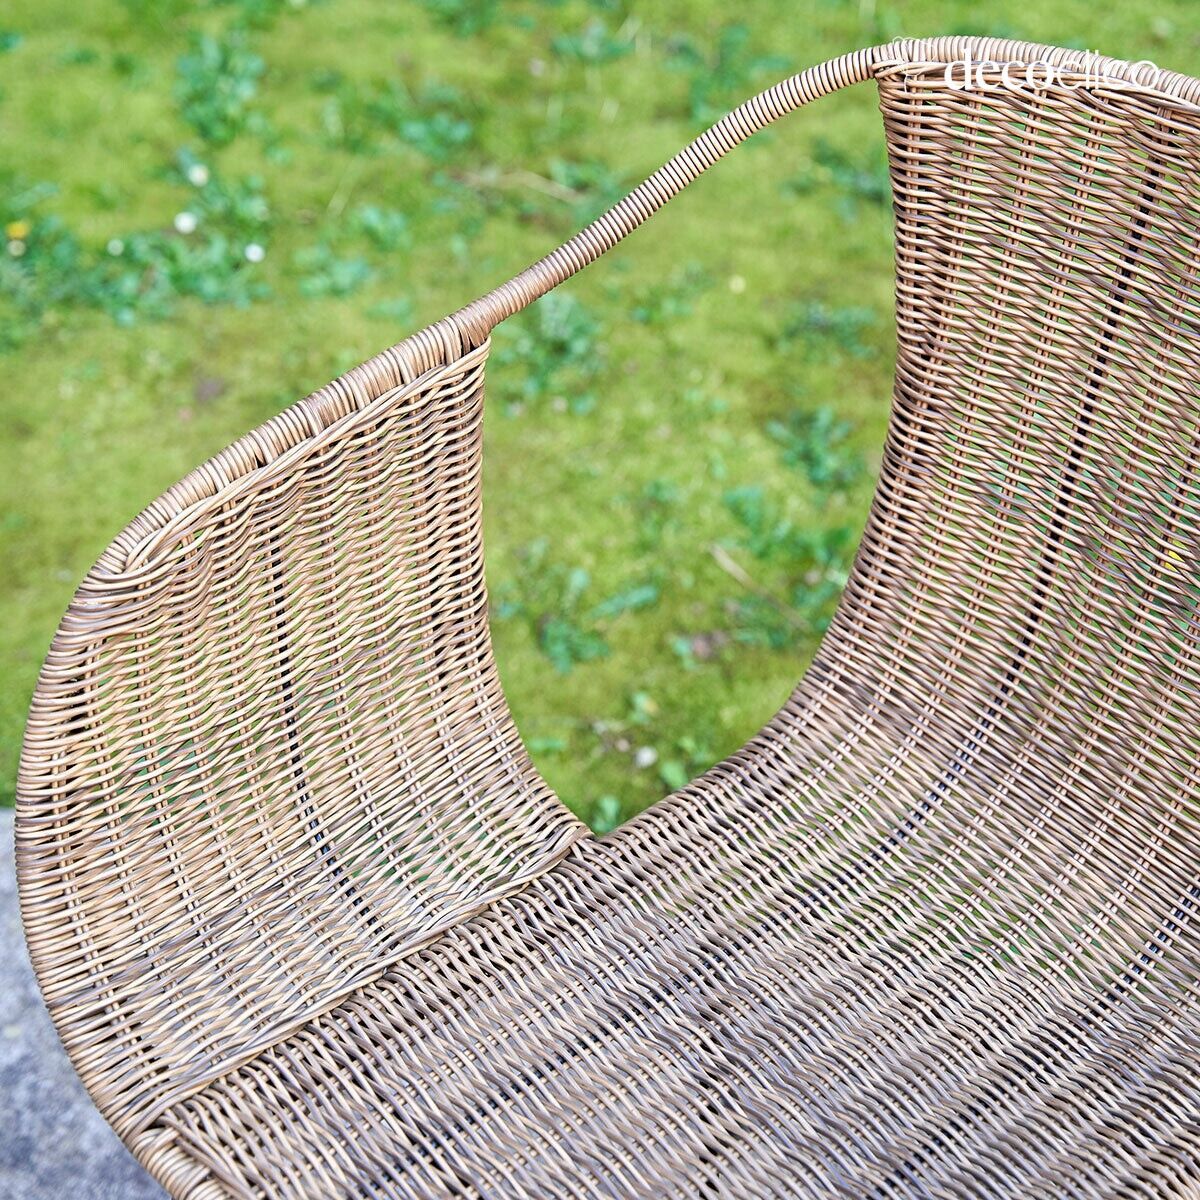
54, 1145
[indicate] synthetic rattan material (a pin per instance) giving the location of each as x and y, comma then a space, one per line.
310, 924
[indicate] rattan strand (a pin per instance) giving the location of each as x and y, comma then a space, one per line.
311, 925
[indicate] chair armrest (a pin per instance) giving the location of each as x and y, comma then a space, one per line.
268, 754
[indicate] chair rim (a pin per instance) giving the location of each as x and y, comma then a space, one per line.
407, 362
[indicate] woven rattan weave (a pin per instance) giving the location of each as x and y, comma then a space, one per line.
310, 924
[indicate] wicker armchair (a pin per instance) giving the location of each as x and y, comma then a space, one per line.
311, 925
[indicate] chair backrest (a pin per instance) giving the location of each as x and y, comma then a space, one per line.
268, 754
1036, 532
1024, 608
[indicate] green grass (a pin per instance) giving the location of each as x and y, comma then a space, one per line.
211, 208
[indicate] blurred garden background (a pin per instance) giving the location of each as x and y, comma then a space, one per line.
209, 208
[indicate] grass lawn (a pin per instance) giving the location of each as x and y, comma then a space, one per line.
210, 208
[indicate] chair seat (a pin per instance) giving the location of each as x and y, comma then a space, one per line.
832, 986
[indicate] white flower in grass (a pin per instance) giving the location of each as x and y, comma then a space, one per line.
197, 174
254, 253
16, 247
115, 247
186, 222
645, 757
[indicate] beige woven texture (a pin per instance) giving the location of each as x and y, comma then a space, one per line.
310, 924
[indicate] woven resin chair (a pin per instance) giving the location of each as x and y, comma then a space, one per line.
310, 924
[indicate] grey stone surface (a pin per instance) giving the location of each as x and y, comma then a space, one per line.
54, 1145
